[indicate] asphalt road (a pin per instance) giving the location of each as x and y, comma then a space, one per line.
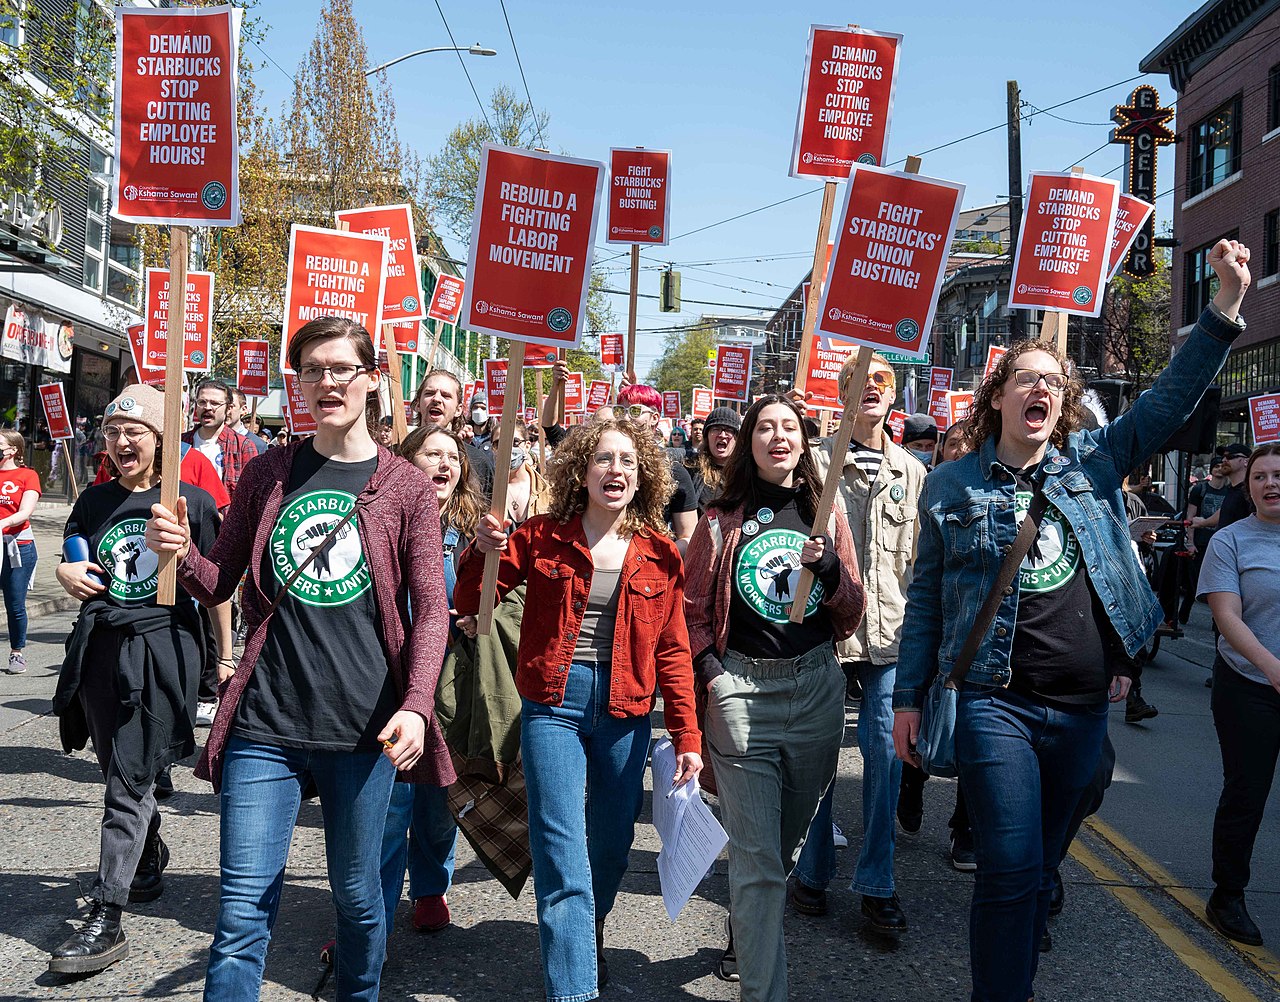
1123, 935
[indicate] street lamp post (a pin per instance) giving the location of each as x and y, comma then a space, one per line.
474, 50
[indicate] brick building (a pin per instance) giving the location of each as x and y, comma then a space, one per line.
1224, 63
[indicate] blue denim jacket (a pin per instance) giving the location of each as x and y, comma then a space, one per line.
968, 522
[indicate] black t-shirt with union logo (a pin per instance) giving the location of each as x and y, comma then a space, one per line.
322, 680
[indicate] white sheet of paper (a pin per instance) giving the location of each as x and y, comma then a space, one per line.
691, 836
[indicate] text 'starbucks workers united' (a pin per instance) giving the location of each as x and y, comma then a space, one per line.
123, 554
338, 574
1054, 558
767, 570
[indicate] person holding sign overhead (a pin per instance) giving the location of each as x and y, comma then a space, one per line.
1035, 667
608, 586
775, 691
336, 687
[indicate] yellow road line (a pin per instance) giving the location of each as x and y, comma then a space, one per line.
1267, 963
1193, 956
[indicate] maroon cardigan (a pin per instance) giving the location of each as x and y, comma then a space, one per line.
399, 525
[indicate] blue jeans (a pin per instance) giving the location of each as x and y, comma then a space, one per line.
881, 775
261, 791
585, 776
421, 832
1024, 765
14, 582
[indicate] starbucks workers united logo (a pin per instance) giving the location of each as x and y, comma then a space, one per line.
131, 567
339, 573
1055, 556
766, 573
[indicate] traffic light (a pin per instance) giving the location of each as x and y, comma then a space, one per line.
669, 291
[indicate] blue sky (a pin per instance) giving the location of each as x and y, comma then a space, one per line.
718, 84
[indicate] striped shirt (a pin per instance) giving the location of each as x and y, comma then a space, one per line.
866, 459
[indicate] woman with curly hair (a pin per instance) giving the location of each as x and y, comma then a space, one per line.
1032, 709
609, 589
775, 691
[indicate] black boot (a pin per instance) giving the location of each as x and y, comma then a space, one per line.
99, 943
148, 880
602, 966
885, 914
1227, 913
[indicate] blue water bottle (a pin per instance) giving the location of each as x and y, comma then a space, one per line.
75, 549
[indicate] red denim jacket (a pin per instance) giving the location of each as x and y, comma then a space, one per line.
650, 642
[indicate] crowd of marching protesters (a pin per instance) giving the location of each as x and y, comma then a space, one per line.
994, 555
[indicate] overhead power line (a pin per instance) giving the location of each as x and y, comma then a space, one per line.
520, 66
463, 63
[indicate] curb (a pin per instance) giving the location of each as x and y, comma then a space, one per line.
49, 606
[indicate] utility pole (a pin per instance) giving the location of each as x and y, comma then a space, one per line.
1018, 318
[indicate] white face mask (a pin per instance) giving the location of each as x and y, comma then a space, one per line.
479, 415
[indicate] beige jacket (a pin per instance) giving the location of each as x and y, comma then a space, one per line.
883, 520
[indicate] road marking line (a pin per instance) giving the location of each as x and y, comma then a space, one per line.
1192, 956
1267, 963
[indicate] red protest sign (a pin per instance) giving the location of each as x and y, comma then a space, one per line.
539, 356
1264, 418
332, 273
252, 372
703, 401
495, 385
938, 405
575, 394
407, 337
958, 406
137, 337
446, 300
198, 338
639, 209
297, 415
402, 296
598, 394
671, 406
846, 100
733, 372
56, 418
1065, 243
1131, 216
889, 260
531, 239
825, 363
611, 350
897, 421
176, 145
471, 390
940, 376
994, 354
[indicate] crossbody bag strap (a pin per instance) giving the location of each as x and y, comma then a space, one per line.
1027, 532
315, 552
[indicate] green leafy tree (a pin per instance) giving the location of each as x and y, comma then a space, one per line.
1136, 318
683, 362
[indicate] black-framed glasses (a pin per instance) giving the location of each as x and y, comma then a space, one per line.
340, 373
1055, 382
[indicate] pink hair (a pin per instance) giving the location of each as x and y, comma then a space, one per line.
638, 393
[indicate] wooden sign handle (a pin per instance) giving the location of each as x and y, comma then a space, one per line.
174, 353
632, 307
399, 426
835, 473
844, 435
501, 464
815, 286
542, 437
71, 467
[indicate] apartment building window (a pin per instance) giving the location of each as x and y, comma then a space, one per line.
11, 30
1273, 99
1271, 243
1215, 147
96, 227
1200, 284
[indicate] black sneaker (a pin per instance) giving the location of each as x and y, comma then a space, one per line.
727, 968
963, 857
602, 965
98, 944
148, 879
1057, 895
1138, 709
1046, 941
164, 784
1227, 914
910, 807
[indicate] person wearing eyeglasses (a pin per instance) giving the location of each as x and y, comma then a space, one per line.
879, 491
608, 587
1033, 708
129, 680
346, 620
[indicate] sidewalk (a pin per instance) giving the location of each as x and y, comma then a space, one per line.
46, 595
